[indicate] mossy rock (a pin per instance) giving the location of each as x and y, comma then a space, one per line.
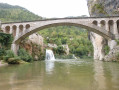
13, 61
22, 62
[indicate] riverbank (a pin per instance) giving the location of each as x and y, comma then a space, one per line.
2, 64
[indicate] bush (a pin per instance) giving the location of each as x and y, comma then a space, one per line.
106, 49
60, 50
5, 40
5, 58
42, 56
24, 55
10, 53
2, 52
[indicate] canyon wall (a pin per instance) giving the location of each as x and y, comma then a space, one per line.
100, 8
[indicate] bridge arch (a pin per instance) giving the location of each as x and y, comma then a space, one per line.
95, 22
21, 28
110, 24
27, 26
40, 26
14, 29
103, 23
7, 29
117, 26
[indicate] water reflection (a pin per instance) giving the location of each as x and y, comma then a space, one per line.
61, 75
49, 66
99, 75
112, 70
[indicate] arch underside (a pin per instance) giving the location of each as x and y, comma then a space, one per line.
90, 27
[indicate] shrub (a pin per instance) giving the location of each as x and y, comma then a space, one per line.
106, 49
24, 55
41, 56
5, 58
2, 51
5, 40
60, 50
10, 53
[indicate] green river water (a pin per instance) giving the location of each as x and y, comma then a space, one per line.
61, 75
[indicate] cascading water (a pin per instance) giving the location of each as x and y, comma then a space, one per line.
49, 55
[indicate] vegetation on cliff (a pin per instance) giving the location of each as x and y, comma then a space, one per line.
98, 8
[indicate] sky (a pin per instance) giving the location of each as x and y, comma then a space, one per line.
53, 8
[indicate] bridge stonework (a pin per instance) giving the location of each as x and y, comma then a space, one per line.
107, 27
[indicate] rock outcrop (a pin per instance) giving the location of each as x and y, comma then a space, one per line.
103, 7
113, 55
34, 45
66, 48
36, 39
99, 8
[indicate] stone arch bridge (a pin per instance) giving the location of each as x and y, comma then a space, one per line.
107, 27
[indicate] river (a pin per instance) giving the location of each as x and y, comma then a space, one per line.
61, 75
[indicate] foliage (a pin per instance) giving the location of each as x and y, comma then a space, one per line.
11, 58
75, 37
2, 52
98, 7
10, 53
5, 40
9, 13
106, 49
41, 56
60, 50
24, 55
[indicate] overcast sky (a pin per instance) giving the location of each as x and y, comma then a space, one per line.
53, 8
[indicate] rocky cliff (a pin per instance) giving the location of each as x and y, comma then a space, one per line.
98, 8
103, 7
34, 45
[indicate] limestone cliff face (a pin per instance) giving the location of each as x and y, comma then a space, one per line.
36, 39
103, 7
99, 8
34, 45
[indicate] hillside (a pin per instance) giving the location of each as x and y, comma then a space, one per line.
75, 37
9, 13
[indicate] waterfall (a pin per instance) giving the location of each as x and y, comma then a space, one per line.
49, 55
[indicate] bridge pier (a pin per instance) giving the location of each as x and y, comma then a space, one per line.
112, 44
15, 48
